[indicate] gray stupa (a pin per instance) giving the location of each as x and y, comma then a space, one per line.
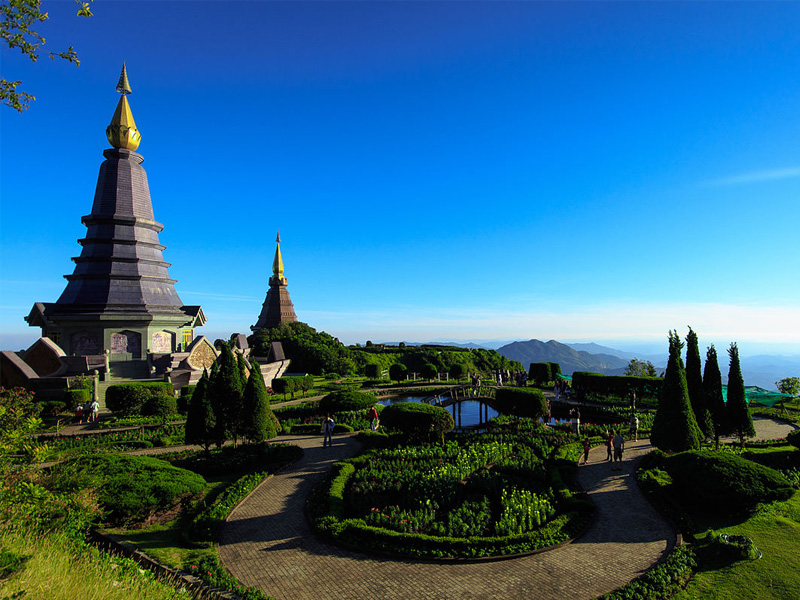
120, 300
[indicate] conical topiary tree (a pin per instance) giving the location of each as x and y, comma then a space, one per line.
674, 426
739, 419
258, 423
712, 389
200, 420
226, 397
694, 382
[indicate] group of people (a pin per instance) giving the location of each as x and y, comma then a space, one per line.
329, 424
615, 446
561, 390
89, 411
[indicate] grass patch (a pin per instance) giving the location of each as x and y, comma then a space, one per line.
775, 530
58, 570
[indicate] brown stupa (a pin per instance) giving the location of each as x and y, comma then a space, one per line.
278, 307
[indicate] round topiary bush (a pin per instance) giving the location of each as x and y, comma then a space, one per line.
162, 406
794, 438
421, 423
725, 483
346, 400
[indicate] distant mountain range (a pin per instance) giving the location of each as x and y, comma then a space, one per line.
569, 358
761, 370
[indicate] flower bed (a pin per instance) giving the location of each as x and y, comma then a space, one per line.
478, 496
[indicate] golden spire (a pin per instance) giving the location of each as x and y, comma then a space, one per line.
277, 263
122, 132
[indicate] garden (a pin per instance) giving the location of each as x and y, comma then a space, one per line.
475, 495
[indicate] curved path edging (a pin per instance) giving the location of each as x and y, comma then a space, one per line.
267, 543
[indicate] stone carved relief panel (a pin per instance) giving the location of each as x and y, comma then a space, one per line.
202, 356
161, 342
84, 343
126, 341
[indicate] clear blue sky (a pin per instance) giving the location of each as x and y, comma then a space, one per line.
459, 170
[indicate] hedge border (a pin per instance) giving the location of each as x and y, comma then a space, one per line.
334, 498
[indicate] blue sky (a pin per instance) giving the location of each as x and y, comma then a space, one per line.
448, 170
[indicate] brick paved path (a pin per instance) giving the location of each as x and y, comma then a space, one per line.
267, 543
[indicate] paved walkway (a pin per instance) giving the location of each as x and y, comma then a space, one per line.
266, 543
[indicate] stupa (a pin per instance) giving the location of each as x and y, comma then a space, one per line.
120, 301
277, 307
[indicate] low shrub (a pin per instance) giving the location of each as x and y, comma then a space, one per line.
724, 482
160, 405
521, 402
421, 423
132, 489
663, 581
794, 438
345, 400
74, 397
210, 570
128, 399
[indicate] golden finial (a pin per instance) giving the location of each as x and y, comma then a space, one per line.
277, 263
122, 132
123, 87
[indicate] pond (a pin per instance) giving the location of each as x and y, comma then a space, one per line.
467, 414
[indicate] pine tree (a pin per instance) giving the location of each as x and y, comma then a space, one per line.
694, 382
712, 388
258, 425
200, 419
739, 419
674, 426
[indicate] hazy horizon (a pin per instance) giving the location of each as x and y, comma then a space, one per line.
464, 170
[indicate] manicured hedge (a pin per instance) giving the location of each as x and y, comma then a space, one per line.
585, 384
522, 402
346, 400
72, 398
794, 438
725, 482
540, 372
128, 399
421, 423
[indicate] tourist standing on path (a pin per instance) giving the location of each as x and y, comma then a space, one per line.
373, 418
609, 440
327, 431
619, 446
635, 427
79, 414
586, 447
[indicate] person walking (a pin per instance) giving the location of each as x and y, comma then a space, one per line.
374, 422
327, 431
609, 440
94, 410
619, 446
587, 446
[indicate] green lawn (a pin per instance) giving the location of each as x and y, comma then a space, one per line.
775, 530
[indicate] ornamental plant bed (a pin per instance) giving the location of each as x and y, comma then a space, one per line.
476, 496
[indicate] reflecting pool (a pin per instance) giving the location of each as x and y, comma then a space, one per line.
467, 414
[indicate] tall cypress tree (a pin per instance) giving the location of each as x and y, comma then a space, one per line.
674, 426
741, 423
226, 397
200, 420
258, 425
712, 388
694, 382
